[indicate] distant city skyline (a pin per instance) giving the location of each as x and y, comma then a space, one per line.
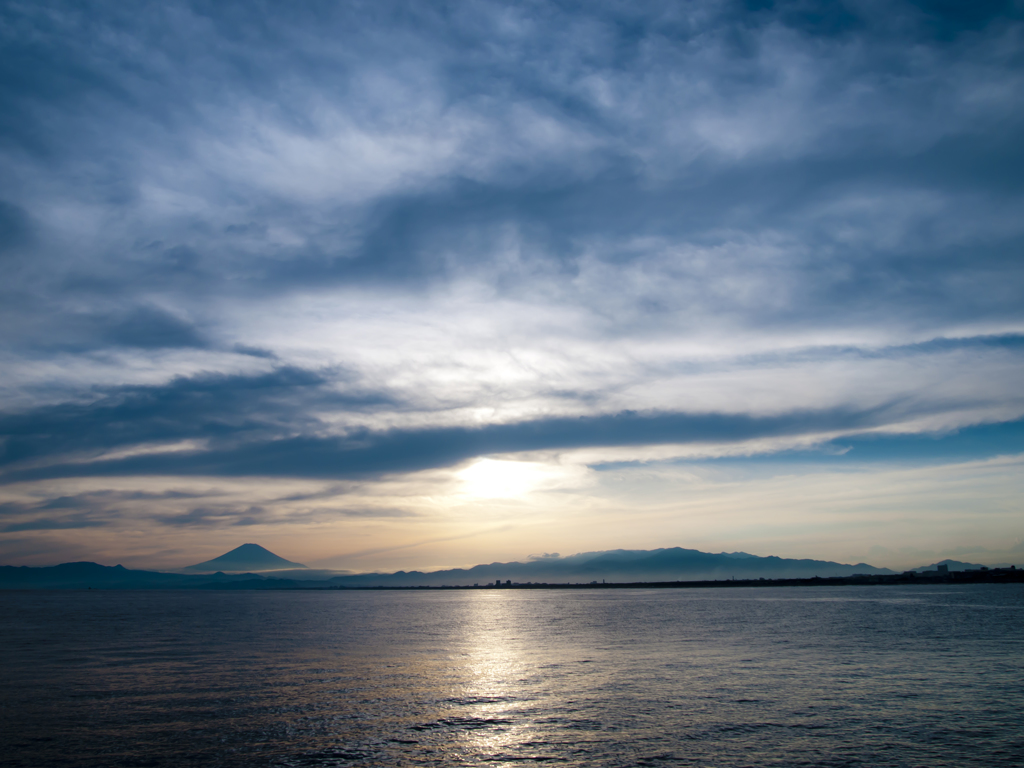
399, 286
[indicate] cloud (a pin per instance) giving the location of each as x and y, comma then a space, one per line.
244, 349
363, 512
363, 453
376, 159
89, 509
971, 443
28, 518
215, 516
91, 499
15, 228
341, 242
211, 407
286, 424
545, 556
151, 327
53, 524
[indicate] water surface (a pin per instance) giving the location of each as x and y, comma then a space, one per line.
827, 676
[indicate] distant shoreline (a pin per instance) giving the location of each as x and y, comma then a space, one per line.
1011, 575
996, 576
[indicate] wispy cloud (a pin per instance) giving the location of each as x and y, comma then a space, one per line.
347, 243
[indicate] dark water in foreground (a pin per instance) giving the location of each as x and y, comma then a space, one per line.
844, 676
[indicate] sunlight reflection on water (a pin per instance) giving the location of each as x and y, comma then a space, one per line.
881, 676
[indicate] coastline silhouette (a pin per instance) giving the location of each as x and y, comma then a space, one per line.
252, 566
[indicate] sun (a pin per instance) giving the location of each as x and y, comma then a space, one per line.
499, 479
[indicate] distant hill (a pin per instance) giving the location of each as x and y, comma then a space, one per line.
956, 565
615, 566
248, 557
95, 576
674, 564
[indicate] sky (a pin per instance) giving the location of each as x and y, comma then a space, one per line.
394, 285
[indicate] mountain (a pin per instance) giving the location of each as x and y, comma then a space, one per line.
615, 566
674, 564
248, 557
95, 576
956, 565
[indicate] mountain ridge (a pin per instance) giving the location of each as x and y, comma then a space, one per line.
666, 564
89, 575
672, 564
956, 565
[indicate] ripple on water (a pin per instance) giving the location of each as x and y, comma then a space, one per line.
874, 676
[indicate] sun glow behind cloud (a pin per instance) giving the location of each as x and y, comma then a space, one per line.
503, 479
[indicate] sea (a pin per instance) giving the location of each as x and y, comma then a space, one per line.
875, 676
